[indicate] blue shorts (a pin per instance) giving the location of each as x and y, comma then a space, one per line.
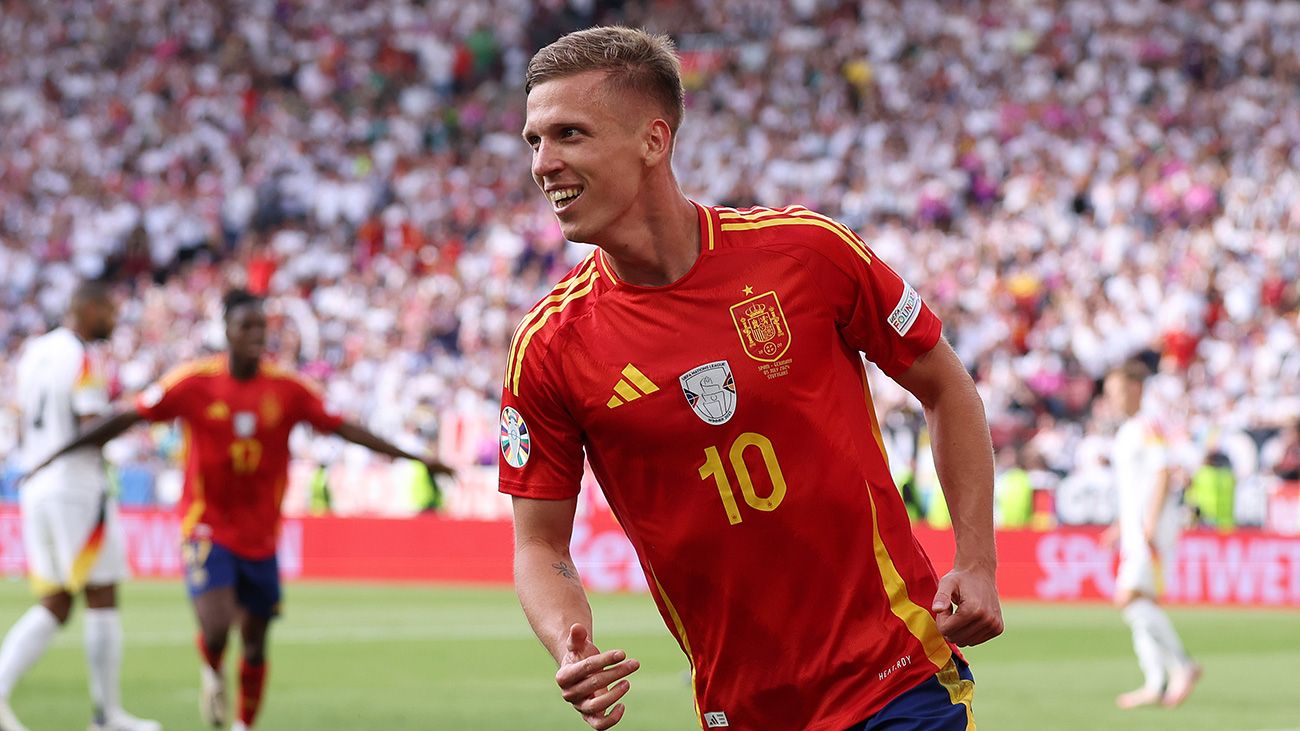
210, 566
940, 703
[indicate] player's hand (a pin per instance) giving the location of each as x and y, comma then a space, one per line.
593, 681
977, 616
437, 468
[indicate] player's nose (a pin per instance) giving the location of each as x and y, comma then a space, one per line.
546, 161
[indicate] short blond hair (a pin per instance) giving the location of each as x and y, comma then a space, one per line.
635, 60
1133, 370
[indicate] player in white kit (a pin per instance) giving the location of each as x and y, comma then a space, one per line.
1148, 525
71, 533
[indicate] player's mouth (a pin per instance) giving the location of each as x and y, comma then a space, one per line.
562, 198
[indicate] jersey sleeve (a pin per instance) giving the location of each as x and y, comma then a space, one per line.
876, 311
311, 408
541, 445
1157, 444
168, 398
90, 390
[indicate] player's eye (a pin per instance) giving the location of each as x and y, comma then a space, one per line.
570, 132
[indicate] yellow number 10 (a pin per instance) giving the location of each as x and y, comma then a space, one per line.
714, 468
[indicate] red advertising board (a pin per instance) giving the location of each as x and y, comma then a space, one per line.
421, 548
1243, 569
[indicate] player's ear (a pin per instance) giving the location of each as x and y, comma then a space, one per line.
657, 142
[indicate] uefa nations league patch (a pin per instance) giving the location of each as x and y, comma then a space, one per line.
906, 311
515, 444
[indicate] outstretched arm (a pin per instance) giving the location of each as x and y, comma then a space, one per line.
358, 434
97, 434
963, 456
555, 603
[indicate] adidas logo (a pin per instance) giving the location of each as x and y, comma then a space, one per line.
632, 386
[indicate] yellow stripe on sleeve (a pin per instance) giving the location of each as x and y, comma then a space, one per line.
558, 293
517, 365
811, 219
793, 211
203, 367
708, 222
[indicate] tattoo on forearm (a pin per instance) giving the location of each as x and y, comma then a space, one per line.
564, 569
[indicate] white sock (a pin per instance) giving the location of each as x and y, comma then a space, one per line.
24, 645
104, 658
1171, 644
1145, 645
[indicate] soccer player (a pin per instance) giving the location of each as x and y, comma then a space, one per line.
707, 361
237, 412
1147, 526
71, 532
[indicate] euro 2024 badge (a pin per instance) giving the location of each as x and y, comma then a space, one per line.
710, 391
764, 331
515, 442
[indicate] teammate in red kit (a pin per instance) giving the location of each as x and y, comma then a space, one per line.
708, 362
236, 412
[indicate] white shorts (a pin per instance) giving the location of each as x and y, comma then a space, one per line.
1141, 572
73, 540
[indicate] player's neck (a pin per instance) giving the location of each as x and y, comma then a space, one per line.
243, 370
657, 247
82, 333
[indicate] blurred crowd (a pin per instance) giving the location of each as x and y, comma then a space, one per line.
1068, 184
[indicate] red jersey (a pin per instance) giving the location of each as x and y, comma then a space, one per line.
236, 437
728, 420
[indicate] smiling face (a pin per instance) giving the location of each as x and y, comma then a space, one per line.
590, 151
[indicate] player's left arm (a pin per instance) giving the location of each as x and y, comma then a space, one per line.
312, 409
1159, 495
358, 434
963, 457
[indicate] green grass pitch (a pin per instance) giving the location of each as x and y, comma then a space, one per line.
385, 657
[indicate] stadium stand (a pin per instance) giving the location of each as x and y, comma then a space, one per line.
1075, 185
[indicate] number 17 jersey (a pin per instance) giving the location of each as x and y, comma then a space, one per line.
728, 421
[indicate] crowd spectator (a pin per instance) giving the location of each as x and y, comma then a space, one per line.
1076, 182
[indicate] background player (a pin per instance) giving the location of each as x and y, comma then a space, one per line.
776, 545
71, 531
1147, 526
237, 413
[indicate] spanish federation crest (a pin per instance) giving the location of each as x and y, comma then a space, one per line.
763, 329
710, 391
245, 423
515, 442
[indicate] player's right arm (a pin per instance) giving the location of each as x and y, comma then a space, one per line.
163, 400
555, 602
98, 434
542, 468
